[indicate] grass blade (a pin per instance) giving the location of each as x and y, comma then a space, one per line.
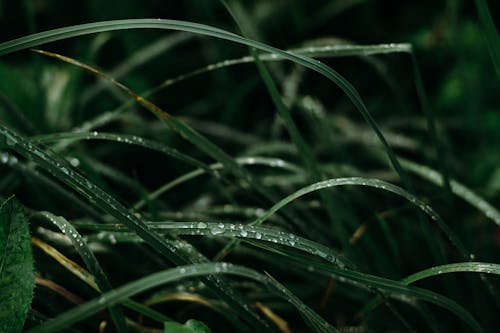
219, 229
133, 288
90, 261
462, 267
165, 246
91, 28
375, 183
457, 188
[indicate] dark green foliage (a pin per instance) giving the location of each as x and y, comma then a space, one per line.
251, 166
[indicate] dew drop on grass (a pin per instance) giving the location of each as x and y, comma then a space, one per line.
201, 225
243, 233
216, 231
258, 235
74, 162
4, 158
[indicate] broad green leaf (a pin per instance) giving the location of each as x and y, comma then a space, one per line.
17, 278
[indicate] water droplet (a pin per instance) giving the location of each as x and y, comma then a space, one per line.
74, 162
216, 231
4, 158
201, 225
258, 235
243, 233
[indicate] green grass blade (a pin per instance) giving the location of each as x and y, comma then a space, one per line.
461, 267
138, 286
328, 51
375, 183
389, 288
123, 138
165, 246
17, 278
491, 33
457, 188
90, 28
220, 229
90, 261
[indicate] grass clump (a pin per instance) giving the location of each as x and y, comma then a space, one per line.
340, 184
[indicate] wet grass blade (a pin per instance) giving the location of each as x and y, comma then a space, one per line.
389, 288
89, 279
90, 261
461, 267
91, 28
220, 229
374, 183
457, 188
133, 288
123, 138
60, 169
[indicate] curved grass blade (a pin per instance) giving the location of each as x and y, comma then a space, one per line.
375, 183
17, 278
90, 261
328, 51
461, 267
170, 275
123, 138
90, 28
389, 288
457, 188
166, 246
90, 279
230, 230
303, 149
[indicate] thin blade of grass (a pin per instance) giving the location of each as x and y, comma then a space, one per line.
220, 229
389, 288
457, 188
90, 28
165, 246
171, 275
374, 183
90, 261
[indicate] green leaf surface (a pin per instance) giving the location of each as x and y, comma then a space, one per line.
17, 278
